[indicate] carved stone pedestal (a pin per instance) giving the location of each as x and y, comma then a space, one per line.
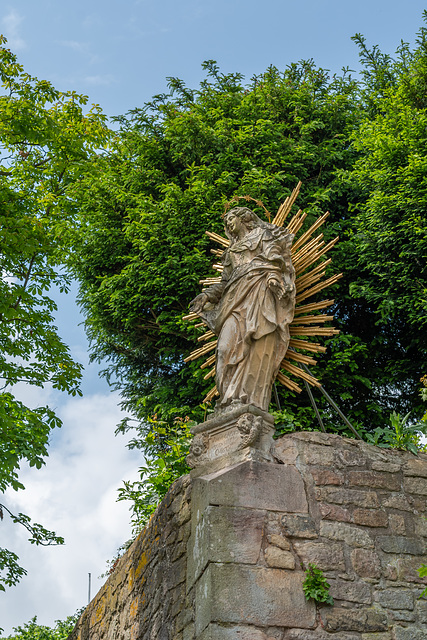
237, 433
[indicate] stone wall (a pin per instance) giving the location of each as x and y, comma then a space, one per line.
145, 596
230, 566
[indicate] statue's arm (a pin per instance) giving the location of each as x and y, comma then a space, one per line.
213, 293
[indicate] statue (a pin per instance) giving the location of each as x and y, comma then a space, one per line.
250, 309
259, 325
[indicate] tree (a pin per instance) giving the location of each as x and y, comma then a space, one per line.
390, 224
140, 250
33, 631
46, 143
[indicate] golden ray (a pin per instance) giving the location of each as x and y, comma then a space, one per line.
315, 306
210, 374
285, 208
308, 320
208, 362
299, 357
201, 352
318, 287
300, 282
207, 336
306, 345
312, 331
306, 235
210, 396
296, 371
287, 382
215, 236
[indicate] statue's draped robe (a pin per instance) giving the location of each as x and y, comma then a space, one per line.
251, 322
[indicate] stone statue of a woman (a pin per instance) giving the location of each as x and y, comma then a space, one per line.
251, 308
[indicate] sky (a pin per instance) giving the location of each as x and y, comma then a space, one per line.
120, 54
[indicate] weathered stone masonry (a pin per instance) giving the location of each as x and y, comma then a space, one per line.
223, 557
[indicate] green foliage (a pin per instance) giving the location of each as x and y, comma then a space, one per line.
165, 463
33, 631
400, 434
46, 142
389, 223
10, 571
315, 586
140, 248
422, 571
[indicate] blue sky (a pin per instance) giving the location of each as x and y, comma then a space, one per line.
119, 54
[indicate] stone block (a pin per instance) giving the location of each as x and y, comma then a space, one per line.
366, 563
401, 544
397, 524
334, 512
416, 466
316, 437
318, 455
415, 485
389, 467
403, 616
421, 607
375, 479
352, 591
407, 569
217, 632
241, 594
298, 526
409, 633
395, 599
326, 476
339, 495
224, 534
370, 517
399, 501
353, 536
253, 485
285, 450
376, 636
327, 556
278, 558
318, 634
274, 634
350, 458
421, 527
279, 541
362, 620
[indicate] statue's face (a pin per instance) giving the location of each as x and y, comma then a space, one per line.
234, 224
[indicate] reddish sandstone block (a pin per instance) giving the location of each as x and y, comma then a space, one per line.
327, 556
375, 479
339, 495
325, 476
370, 517
366, 563
362, 620
416, 485
334, 512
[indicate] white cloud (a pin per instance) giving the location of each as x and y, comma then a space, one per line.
75, 495
10, 24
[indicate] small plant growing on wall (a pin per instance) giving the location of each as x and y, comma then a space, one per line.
315, 586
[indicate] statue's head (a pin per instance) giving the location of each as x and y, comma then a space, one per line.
241, 216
